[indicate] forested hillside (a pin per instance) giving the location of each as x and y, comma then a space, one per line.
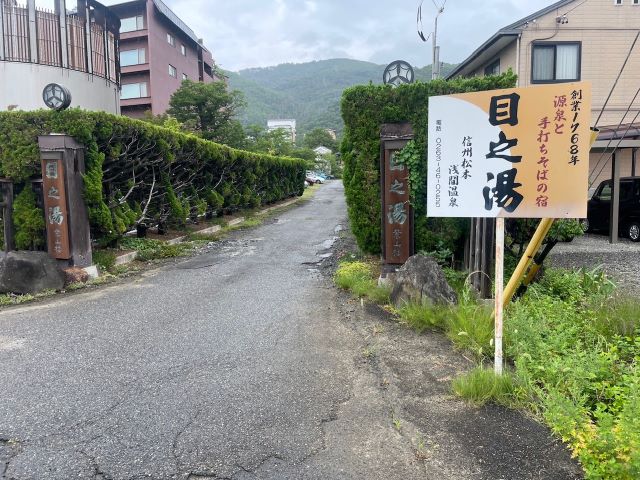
309, 92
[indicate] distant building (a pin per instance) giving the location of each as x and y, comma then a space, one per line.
77, 49
322, 150
288, 125
331, 133
157, 52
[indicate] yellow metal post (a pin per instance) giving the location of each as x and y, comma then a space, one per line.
527, 258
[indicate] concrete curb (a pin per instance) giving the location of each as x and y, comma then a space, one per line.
131, 256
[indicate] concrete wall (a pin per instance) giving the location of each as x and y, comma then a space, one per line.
22, 85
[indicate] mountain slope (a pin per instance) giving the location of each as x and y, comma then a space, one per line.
309, 92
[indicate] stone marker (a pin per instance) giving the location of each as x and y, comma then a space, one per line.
421, 280
29, 272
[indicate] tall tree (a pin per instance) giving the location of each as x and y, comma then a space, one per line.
319, 137
208, 109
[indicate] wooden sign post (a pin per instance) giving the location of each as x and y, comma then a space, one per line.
397, 212
66, 215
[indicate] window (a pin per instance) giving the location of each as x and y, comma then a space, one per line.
555, 62
133, 90
636, 2
605, 192
493, 68
171, 40
184, 77
131, 24
183, 50
132, 57
617, 2
172, 71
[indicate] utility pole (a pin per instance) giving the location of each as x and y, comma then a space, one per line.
435, 66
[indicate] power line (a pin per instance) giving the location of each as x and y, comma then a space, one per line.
619, 142
617, 78
612, 138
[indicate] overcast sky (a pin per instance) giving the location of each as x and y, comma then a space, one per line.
259, 33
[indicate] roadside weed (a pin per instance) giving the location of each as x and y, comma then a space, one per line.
471, 327
422, 317
360, 279
482, 385
105, 260
10, 299
149, 249
369, 352
397, 423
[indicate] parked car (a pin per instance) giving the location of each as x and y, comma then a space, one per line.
599, 208
313, 178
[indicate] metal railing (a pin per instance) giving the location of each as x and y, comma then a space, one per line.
35, 35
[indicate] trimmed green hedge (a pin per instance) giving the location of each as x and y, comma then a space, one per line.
137, 172
364, 109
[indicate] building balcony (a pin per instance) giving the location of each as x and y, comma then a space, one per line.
133, 35
140, 68
135, 102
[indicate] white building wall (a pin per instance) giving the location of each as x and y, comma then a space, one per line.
21, 84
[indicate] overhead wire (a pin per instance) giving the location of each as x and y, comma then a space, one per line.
619, 142
617, 79
612, 138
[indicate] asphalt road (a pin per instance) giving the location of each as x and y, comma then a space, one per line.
246, 363
227, 365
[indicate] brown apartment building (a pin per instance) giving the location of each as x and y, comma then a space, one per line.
157, 52
574, 40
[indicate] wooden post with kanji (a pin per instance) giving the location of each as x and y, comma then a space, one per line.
397, 212
65, 210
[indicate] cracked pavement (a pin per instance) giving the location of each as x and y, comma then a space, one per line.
245, 362
230, 364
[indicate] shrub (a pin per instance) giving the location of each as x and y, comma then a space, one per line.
576, 348
364, 109
139, 172
28, 220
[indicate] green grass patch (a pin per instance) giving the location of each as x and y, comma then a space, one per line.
469, 325
149, 249
360, 278
481, 385
204, 237
105, 260
423, 317
309, 192
11, 299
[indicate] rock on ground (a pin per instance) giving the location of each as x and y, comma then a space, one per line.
420, 280
29, 272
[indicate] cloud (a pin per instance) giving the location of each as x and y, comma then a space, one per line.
249, 33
